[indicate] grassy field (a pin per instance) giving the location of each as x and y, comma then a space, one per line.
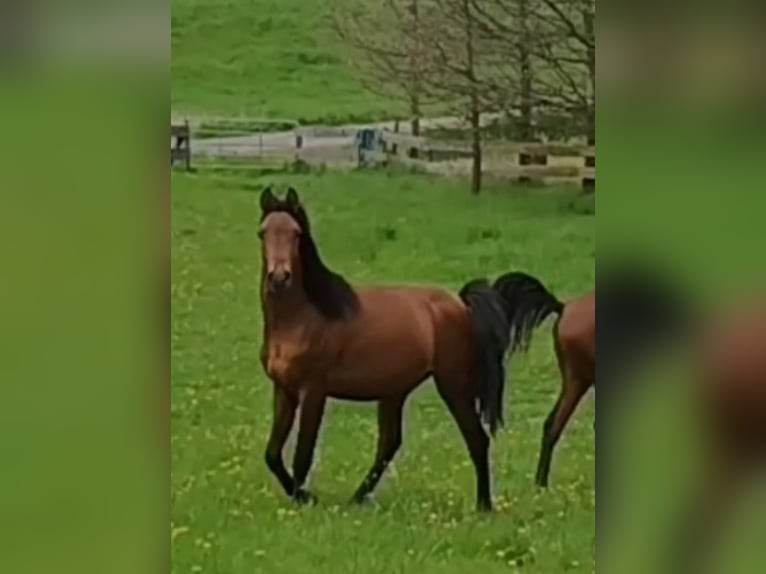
265, 58
228, 513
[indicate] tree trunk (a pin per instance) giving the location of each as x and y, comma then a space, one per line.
415, 69
525, 88
415, 121
589, 183
525, 73
475, 106
475, 144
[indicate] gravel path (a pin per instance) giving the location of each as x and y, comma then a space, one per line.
320, 143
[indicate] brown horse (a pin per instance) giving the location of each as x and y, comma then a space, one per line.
574, 341
323, 338
642, 313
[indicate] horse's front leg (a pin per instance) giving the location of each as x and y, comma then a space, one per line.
284, 415
312, 409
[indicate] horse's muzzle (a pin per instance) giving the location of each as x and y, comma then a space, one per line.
278, 281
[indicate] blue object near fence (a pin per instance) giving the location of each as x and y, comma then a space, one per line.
368, 141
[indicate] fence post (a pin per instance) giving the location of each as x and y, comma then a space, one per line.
187, 154
588, 182
527, 158
394, 146
180, 144
298, 144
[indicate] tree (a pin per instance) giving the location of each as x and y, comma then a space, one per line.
506, 27
566, 48
388, 40
478, 56
462, 69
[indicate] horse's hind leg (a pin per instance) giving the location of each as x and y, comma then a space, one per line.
461, 403
573, 389
284, 414
389, 441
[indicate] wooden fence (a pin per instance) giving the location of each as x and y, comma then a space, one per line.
523, 161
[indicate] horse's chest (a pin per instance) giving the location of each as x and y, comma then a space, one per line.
286, 363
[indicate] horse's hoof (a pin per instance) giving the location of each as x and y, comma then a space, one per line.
360, 500
304, 497
484, 506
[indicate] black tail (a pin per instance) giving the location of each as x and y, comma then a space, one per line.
529, 303
490, 319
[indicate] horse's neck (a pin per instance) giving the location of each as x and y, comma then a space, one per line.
288, 313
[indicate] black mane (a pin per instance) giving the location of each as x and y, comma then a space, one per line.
328, 291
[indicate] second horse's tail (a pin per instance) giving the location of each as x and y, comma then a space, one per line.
528, 304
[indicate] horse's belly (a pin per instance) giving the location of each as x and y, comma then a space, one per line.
375, 378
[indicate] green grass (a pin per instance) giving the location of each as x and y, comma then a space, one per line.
228, 513
265, 58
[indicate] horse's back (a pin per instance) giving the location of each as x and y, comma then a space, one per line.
429, 318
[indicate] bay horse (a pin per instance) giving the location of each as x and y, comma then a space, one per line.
642, 313
325, 339
530, 303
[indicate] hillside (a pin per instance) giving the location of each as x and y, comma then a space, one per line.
271, 58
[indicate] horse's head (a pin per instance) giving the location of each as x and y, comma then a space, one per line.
280, 234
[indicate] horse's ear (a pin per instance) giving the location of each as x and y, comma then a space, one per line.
268, 200
292, 198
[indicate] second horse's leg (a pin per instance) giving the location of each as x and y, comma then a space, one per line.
312, 410
573, 391
389, 441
